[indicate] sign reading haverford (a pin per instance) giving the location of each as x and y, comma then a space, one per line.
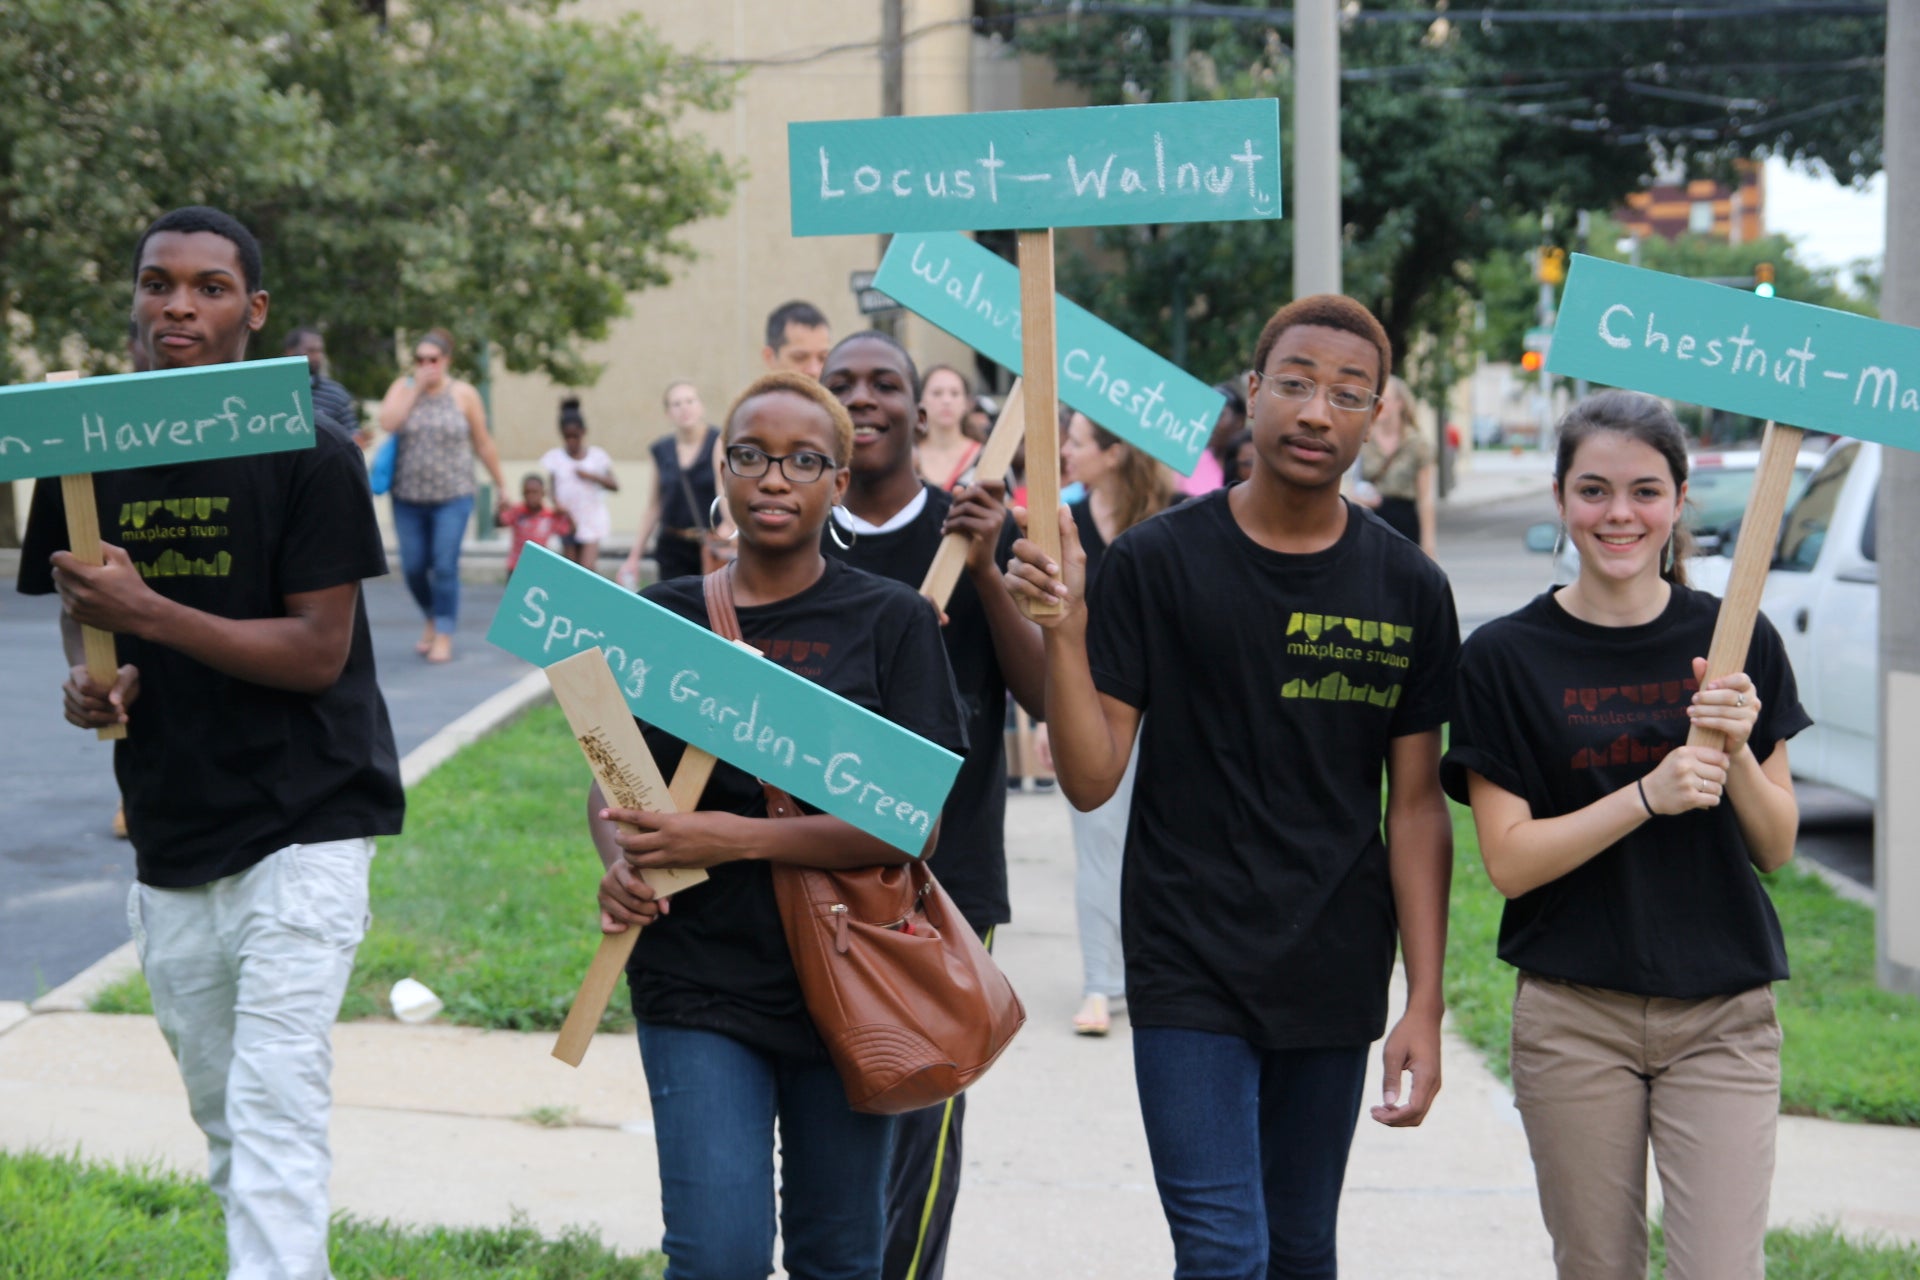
759, 717
154, 419
1795, 363
1023, 170
974, 294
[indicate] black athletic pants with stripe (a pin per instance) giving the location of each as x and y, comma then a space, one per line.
923, 1185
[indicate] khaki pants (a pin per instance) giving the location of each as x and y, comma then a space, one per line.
1599, 1074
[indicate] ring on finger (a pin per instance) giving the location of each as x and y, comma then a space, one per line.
1740, 700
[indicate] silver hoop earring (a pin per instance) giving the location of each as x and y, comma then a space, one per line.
833, 532
713, 519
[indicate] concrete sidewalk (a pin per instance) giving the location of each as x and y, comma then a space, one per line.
440, 1124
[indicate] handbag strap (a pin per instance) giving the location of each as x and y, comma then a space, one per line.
724, 620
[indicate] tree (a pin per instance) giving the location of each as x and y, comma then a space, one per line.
1449, 133
488, 165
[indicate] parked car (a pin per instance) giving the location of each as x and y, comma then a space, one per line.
1823, 596
1719, 482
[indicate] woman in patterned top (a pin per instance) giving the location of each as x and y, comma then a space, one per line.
1397, 463
442, 427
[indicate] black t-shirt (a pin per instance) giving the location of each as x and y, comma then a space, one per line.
1561, 712
676, 512
971, 859
1255, 894
217, 773
719, 960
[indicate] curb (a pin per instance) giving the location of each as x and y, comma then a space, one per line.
78, 992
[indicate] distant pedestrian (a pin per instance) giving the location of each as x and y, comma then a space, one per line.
532, 519
1124, 486
945, 453
582, 477
798, 339
1210, 471
333, 405
679, 516
442, 427
1646, 946
1398, 466
259, 762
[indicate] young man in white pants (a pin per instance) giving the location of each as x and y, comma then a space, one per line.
258, 764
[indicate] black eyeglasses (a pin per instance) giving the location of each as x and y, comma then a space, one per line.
1344, 397
802, 466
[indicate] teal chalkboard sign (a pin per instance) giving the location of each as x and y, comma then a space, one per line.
154, 419
1077, 167
974, 294
1730, 349
756, 716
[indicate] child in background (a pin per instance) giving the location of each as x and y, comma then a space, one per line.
532, 520
582, 477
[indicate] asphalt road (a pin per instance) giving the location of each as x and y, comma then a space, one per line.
63, 875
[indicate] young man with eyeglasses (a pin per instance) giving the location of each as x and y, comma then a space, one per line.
1275, 648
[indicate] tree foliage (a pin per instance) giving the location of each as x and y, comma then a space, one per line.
493, 166
1451, 136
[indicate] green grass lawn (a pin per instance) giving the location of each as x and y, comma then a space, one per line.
65, 1219
1821, 1253
488, 899
1850, 1047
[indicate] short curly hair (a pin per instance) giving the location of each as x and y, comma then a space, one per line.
1329, 311
799, 384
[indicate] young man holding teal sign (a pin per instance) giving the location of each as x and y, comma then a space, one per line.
258, 764
1274, 648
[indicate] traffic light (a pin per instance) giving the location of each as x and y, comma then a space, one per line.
1763, 279
1533, 361
1550, 267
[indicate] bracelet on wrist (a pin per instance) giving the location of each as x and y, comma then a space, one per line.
1641, 787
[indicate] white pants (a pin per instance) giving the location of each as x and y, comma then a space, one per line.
1100, 843
247, 975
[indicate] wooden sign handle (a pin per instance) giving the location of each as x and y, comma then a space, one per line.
995, 457
1042, 400
1752, 557
83, 540
585, 687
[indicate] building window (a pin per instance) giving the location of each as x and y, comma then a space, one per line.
1700, 217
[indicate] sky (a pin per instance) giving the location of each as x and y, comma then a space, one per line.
1832, 224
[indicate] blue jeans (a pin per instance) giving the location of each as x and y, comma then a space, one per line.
715, 1104
430, 534
1249, 1150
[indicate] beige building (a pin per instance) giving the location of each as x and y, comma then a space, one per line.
814, 61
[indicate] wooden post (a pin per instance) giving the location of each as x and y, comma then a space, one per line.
587, 692
1042, 403
1752, 557
83, 540
995, 457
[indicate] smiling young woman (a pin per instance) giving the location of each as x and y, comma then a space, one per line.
1646, 948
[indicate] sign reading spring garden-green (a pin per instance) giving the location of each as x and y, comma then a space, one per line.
1707, 344
748, 711
974, 294
154, 419
1014, 170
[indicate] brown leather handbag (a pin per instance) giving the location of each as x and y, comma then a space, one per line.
911, 1007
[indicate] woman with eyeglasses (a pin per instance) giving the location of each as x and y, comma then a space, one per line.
1644, 944
1397, 464
442, 428
731, 1057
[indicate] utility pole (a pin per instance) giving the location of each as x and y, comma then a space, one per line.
1179, 45
1896, 828
1316, 148
893, 102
